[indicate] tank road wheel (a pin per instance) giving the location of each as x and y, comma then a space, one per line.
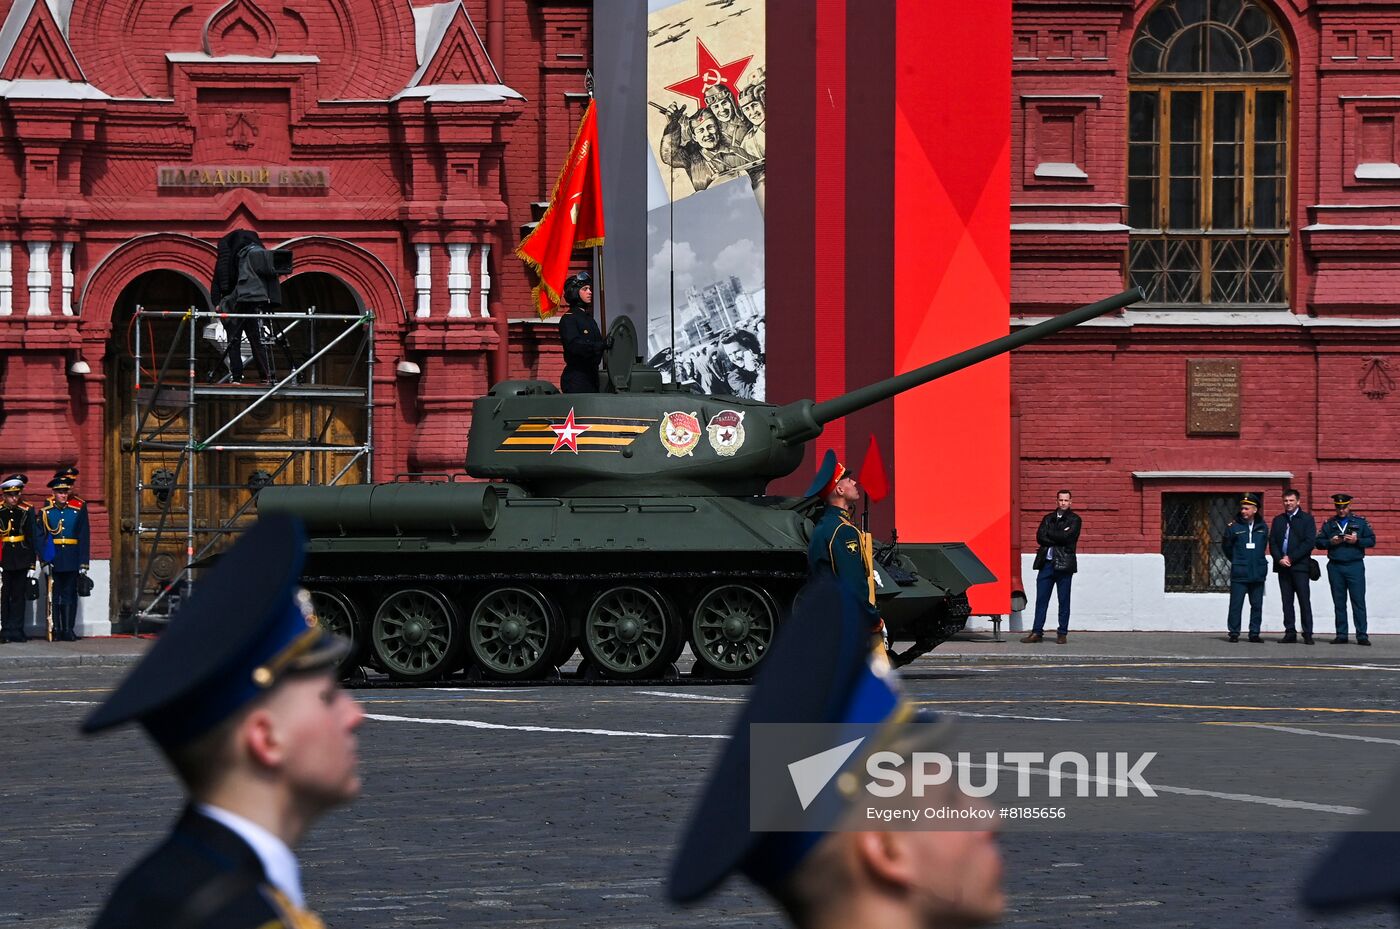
630, 633
336, 613
515, 633
416, 635
732, 629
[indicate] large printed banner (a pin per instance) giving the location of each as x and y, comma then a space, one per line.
706, 137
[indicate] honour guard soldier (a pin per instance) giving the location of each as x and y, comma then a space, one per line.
65, 519
19, 531
1345, 538
838, 545
822, 862
240, 695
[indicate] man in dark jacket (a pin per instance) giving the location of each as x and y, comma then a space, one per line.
1245, 543
1291, 540
242, 319
1055, 565
583, 340
1345, 537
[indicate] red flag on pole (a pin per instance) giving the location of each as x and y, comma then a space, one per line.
872, 473
574, 218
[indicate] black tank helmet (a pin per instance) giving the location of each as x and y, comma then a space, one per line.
573, 285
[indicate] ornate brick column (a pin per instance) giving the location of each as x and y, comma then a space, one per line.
455, 354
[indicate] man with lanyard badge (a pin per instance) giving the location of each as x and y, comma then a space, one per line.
1345, 538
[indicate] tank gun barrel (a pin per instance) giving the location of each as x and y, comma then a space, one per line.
803, 421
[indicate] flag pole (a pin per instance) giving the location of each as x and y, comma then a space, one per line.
599, 300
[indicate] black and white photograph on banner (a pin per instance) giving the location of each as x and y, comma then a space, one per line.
706, 128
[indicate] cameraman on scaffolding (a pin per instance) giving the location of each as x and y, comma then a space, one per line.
241, 290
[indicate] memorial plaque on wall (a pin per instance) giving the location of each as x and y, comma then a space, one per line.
1212, 397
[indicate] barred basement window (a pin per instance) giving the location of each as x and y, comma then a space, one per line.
1208, 154
1192, 526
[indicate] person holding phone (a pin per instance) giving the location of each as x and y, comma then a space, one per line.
1345, 538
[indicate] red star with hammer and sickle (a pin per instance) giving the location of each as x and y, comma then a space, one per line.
567, 433
709, 72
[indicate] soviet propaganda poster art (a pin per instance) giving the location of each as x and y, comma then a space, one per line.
706, 138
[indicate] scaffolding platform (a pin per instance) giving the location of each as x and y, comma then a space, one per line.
194, 429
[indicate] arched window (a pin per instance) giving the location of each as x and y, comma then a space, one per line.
1208, 155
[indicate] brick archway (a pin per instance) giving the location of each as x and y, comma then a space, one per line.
185, 254
366, 275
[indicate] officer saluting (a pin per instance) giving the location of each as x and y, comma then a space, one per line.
19, 531
838, 545
65, 519
1345, 538
240, 695
827, 867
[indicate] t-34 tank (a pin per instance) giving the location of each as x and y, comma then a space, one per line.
625, 523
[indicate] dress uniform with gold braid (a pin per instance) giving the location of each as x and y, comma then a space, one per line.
839, 546
20, 534
246, 629
67, 528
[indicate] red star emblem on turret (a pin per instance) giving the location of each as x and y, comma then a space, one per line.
567, 433
709, 72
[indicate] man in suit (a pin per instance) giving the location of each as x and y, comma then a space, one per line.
1055, 565
1345, 538
20, 537
1291, 540
240, 695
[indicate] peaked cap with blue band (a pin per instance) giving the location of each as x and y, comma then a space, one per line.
246, 627
821, 669
827, 475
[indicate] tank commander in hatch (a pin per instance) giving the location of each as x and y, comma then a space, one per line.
583, 340
241, 697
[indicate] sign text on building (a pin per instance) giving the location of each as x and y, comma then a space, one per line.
205, 177
1212, 397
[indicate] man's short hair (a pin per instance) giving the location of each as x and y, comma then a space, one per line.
1292, 492
1065, 492
199, 763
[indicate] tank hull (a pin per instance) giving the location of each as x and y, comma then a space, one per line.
717, 573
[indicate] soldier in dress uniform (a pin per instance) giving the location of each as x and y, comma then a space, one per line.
824, 863
1345, 538
19, 533
65, 519
838, 545
240, 695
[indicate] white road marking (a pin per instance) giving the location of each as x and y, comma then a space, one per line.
1326, 735
32, 680
478, 724
1039, 719
75, 702
680, 696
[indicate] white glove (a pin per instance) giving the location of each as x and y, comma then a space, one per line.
31, 574
47, 569
83, 570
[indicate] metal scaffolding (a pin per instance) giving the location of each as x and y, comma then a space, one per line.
192, 417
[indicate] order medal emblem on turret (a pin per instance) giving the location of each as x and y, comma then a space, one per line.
680, 432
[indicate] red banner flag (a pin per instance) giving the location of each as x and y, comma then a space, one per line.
872, 473
573, 220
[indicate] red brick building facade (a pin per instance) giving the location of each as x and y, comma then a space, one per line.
397, 147
1240, 160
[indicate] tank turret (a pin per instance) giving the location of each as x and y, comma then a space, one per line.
626, 524
643, 437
